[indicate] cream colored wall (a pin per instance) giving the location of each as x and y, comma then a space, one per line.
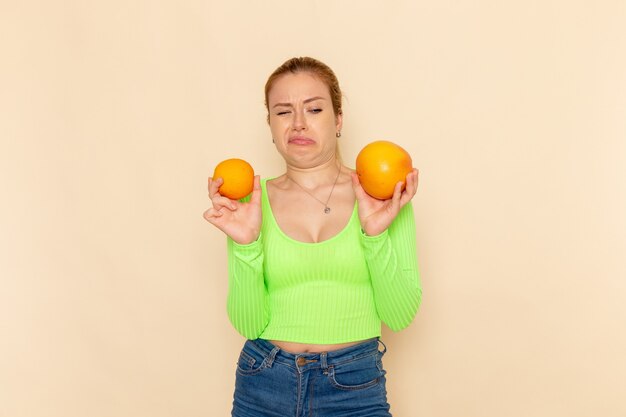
112, 114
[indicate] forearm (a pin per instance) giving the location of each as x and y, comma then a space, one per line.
247, 295
392, 261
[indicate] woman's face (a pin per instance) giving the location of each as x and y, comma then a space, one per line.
302, 120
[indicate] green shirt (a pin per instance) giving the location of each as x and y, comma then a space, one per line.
335, 291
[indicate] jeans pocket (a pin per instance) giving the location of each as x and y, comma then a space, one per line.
251, 361
356, 375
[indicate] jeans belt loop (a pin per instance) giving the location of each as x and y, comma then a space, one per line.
384, 346
323, 360
272, 356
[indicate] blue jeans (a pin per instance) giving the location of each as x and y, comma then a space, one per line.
347, 382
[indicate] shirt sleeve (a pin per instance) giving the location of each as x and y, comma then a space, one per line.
392, 261
247, 301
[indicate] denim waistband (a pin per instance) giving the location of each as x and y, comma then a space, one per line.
321, 359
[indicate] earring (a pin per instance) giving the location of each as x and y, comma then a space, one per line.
338, 134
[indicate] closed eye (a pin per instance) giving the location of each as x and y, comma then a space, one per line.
315, 110
282, 113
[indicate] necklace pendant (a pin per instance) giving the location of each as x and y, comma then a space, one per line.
327, 210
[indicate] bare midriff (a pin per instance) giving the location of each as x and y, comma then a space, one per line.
293, 347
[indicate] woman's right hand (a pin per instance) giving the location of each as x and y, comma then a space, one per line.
240, 221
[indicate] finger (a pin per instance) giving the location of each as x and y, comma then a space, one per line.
214, 186
211, 181
416, 174
411, 183
256, 191
359, 192
411, 188
217, 199
397, 196
220, 202
210, 214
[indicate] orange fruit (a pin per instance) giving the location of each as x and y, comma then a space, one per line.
238, 177
380, 166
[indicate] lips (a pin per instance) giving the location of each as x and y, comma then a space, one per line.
301, 140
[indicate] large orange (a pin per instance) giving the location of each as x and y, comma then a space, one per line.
238, 177
380, 166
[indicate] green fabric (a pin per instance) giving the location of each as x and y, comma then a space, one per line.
335, 291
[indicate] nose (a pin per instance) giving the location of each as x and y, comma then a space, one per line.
299, 121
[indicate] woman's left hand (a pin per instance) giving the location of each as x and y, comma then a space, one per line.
376, 215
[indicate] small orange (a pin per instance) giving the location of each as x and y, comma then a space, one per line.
380, 166
238, 177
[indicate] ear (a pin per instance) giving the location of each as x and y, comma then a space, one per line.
339, 121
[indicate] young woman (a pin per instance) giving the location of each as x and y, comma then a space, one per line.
315, 264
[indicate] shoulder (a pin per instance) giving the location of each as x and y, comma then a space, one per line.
279, 182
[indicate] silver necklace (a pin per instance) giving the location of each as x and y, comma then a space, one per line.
326, 208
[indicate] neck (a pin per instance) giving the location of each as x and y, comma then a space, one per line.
313, 177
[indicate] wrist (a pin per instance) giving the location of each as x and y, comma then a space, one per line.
246, 241
372, 232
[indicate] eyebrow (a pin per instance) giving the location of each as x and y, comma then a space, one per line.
308, 100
